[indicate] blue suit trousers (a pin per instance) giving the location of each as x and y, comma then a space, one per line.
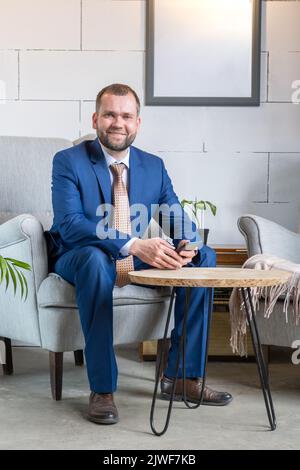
93, 273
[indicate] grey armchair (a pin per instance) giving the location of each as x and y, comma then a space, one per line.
49, 318
264, 236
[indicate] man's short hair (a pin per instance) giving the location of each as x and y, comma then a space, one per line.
118, 89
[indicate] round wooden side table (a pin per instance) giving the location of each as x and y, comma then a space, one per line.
211, 277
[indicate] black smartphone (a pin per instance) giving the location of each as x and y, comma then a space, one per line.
190, 246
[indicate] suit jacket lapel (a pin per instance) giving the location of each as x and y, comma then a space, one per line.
101, 170
136, 177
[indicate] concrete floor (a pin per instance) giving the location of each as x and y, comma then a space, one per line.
30, 419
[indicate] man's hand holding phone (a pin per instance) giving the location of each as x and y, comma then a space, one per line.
187, 250
161, 254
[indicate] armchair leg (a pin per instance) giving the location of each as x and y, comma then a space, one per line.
8, 368
56, 373
164, 361
78, 356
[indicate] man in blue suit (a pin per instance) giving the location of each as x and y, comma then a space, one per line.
85, 249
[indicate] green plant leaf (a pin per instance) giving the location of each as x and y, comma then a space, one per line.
20, 281
200, 205
6, 279
213, 208
10, 270
13, 276
186, 202
26, 286
3, 268
21, 264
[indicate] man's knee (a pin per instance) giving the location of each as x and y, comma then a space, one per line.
208, 257
92, 257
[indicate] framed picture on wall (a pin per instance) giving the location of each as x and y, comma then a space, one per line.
203, 52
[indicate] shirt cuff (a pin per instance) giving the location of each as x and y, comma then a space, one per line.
125, 248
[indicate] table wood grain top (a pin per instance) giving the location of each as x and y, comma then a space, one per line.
210, 277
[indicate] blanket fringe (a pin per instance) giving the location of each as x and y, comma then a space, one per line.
291, 290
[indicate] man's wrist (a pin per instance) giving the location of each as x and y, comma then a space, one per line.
133, 246
125, 250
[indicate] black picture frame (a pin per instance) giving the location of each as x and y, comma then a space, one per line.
151, 99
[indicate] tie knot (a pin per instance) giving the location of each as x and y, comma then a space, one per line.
117, 169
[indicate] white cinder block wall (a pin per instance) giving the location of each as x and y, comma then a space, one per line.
55, 55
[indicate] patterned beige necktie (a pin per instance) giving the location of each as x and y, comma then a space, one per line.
121, 221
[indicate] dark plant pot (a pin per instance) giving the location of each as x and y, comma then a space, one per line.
204, 234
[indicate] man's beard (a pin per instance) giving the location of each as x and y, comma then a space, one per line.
105, 140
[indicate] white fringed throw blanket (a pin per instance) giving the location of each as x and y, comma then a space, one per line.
290, 290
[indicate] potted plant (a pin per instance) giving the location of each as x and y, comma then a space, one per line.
10, 271
199, 206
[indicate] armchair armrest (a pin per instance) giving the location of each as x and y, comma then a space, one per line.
23, 237
11, 232
265, 236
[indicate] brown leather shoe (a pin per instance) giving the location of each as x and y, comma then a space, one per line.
102, 409
193, 391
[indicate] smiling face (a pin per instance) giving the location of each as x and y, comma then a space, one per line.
117, 122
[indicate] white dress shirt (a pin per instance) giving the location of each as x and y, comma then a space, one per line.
109, 161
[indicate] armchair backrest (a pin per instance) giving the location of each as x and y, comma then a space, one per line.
25, 176
268, 237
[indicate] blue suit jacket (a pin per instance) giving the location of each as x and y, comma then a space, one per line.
81, 182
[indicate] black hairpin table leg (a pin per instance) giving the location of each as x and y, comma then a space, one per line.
262, 370
181, 350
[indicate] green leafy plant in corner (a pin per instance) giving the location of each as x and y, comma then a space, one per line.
11, 271
199, 206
